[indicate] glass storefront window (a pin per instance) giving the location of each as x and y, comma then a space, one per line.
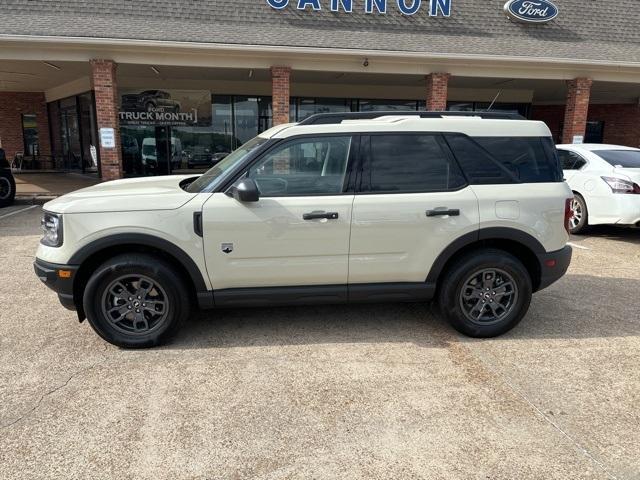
222, 123
460, 106
88, 130
30, 134
305, 107
74, 136
70, 133
152, 149
197, 148
386, 105
521, 108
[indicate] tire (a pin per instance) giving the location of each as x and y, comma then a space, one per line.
579, 222
494, 313
145, 323
7, 189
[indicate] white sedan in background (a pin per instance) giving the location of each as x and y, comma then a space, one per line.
605, 180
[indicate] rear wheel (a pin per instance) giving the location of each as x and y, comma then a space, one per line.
7, 188
135, 301
486, 293
579, 221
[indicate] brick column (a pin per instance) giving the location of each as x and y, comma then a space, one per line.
437, 85
280, 82
103, 82
576, 109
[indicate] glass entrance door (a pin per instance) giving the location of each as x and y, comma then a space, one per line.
71, 145
163, 151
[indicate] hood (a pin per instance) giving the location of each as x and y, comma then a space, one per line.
149, 193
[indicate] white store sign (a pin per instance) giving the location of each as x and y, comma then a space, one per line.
107, 138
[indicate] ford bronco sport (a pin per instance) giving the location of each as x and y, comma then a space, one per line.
470, 210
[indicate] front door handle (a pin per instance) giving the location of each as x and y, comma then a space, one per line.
319, 214
453, 212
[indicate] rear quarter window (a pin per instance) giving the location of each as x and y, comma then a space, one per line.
499, 160
620, 158
528, 159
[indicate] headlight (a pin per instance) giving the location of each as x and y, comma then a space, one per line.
52, 229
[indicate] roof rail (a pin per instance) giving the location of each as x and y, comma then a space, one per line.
327, 118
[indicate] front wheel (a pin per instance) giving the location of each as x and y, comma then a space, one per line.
486, 293
136, 301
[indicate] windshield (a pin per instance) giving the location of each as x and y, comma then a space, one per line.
621, 158
211, 175
149, 150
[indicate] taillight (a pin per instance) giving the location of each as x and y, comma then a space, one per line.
620, 185
568, 213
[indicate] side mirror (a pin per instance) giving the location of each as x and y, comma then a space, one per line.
245, 190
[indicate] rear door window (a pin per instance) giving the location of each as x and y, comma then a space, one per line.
570, 160
406, 163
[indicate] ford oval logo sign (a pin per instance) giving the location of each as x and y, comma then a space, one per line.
531, 11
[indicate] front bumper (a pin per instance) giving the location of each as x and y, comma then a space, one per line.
58, 278
553, 266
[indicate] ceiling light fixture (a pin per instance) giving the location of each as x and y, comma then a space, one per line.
155, 70
55, 67
251, 73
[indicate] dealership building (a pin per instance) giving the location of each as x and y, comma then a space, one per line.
131, 87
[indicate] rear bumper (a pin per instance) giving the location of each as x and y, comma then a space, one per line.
49, 274
553, 266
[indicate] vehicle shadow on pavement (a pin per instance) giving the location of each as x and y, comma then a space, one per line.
578, 306
414, 323
608, 232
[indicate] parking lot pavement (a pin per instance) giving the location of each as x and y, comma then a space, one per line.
373, 391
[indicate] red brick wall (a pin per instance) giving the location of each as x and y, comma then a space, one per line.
577, 108
437, 87
553, 116
280, 87
104, 84
12, 106
621, 121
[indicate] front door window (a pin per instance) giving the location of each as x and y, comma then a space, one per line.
314, 166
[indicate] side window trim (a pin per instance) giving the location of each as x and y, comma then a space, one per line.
347, 187
364, 186
452, 158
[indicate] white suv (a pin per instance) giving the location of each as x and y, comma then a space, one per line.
470, 210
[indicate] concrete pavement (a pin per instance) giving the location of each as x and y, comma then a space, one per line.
373, 391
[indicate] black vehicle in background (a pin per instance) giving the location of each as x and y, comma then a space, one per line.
7, 182
149, 100
199, 157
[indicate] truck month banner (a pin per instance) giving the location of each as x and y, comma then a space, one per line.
165, 108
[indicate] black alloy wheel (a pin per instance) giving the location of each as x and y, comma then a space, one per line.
485, 293
136, 300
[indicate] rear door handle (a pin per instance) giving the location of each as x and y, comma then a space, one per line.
453, 212
319, 214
